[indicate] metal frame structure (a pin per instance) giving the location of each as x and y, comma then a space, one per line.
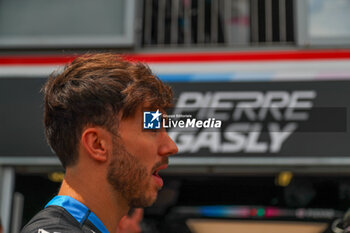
17, 211
213, 164
7, 181
198, 23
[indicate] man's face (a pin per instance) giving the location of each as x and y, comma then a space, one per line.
138, 155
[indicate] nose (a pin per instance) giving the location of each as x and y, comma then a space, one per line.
168, 146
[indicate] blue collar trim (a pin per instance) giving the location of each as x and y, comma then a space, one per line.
78, 210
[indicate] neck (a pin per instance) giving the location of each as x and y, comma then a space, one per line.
107, 205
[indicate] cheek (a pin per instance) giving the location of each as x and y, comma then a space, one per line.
145, 149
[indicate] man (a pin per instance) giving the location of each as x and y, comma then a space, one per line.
93, 113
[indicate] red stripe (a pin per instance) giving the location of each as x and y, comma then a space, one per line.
35, 60
243, 56
193, 57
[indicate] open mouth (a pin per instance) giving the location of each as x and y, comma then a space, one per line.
155, 173
156, 176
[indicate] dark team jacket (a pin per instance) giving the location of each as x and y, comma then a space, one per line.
64, 214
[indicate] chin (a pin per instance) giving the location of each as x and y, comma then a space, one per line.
151, 198
146, 200
143, 202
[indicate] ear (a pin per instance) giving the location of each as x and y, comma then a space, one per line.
95, 142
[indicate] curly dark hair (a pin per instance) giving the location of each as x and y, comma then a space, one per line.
93, 90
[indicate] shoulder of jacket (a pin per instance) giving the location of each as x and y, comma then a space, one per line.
52, 220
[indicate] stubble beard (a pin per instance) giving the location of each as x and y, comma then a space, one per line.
128, 176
